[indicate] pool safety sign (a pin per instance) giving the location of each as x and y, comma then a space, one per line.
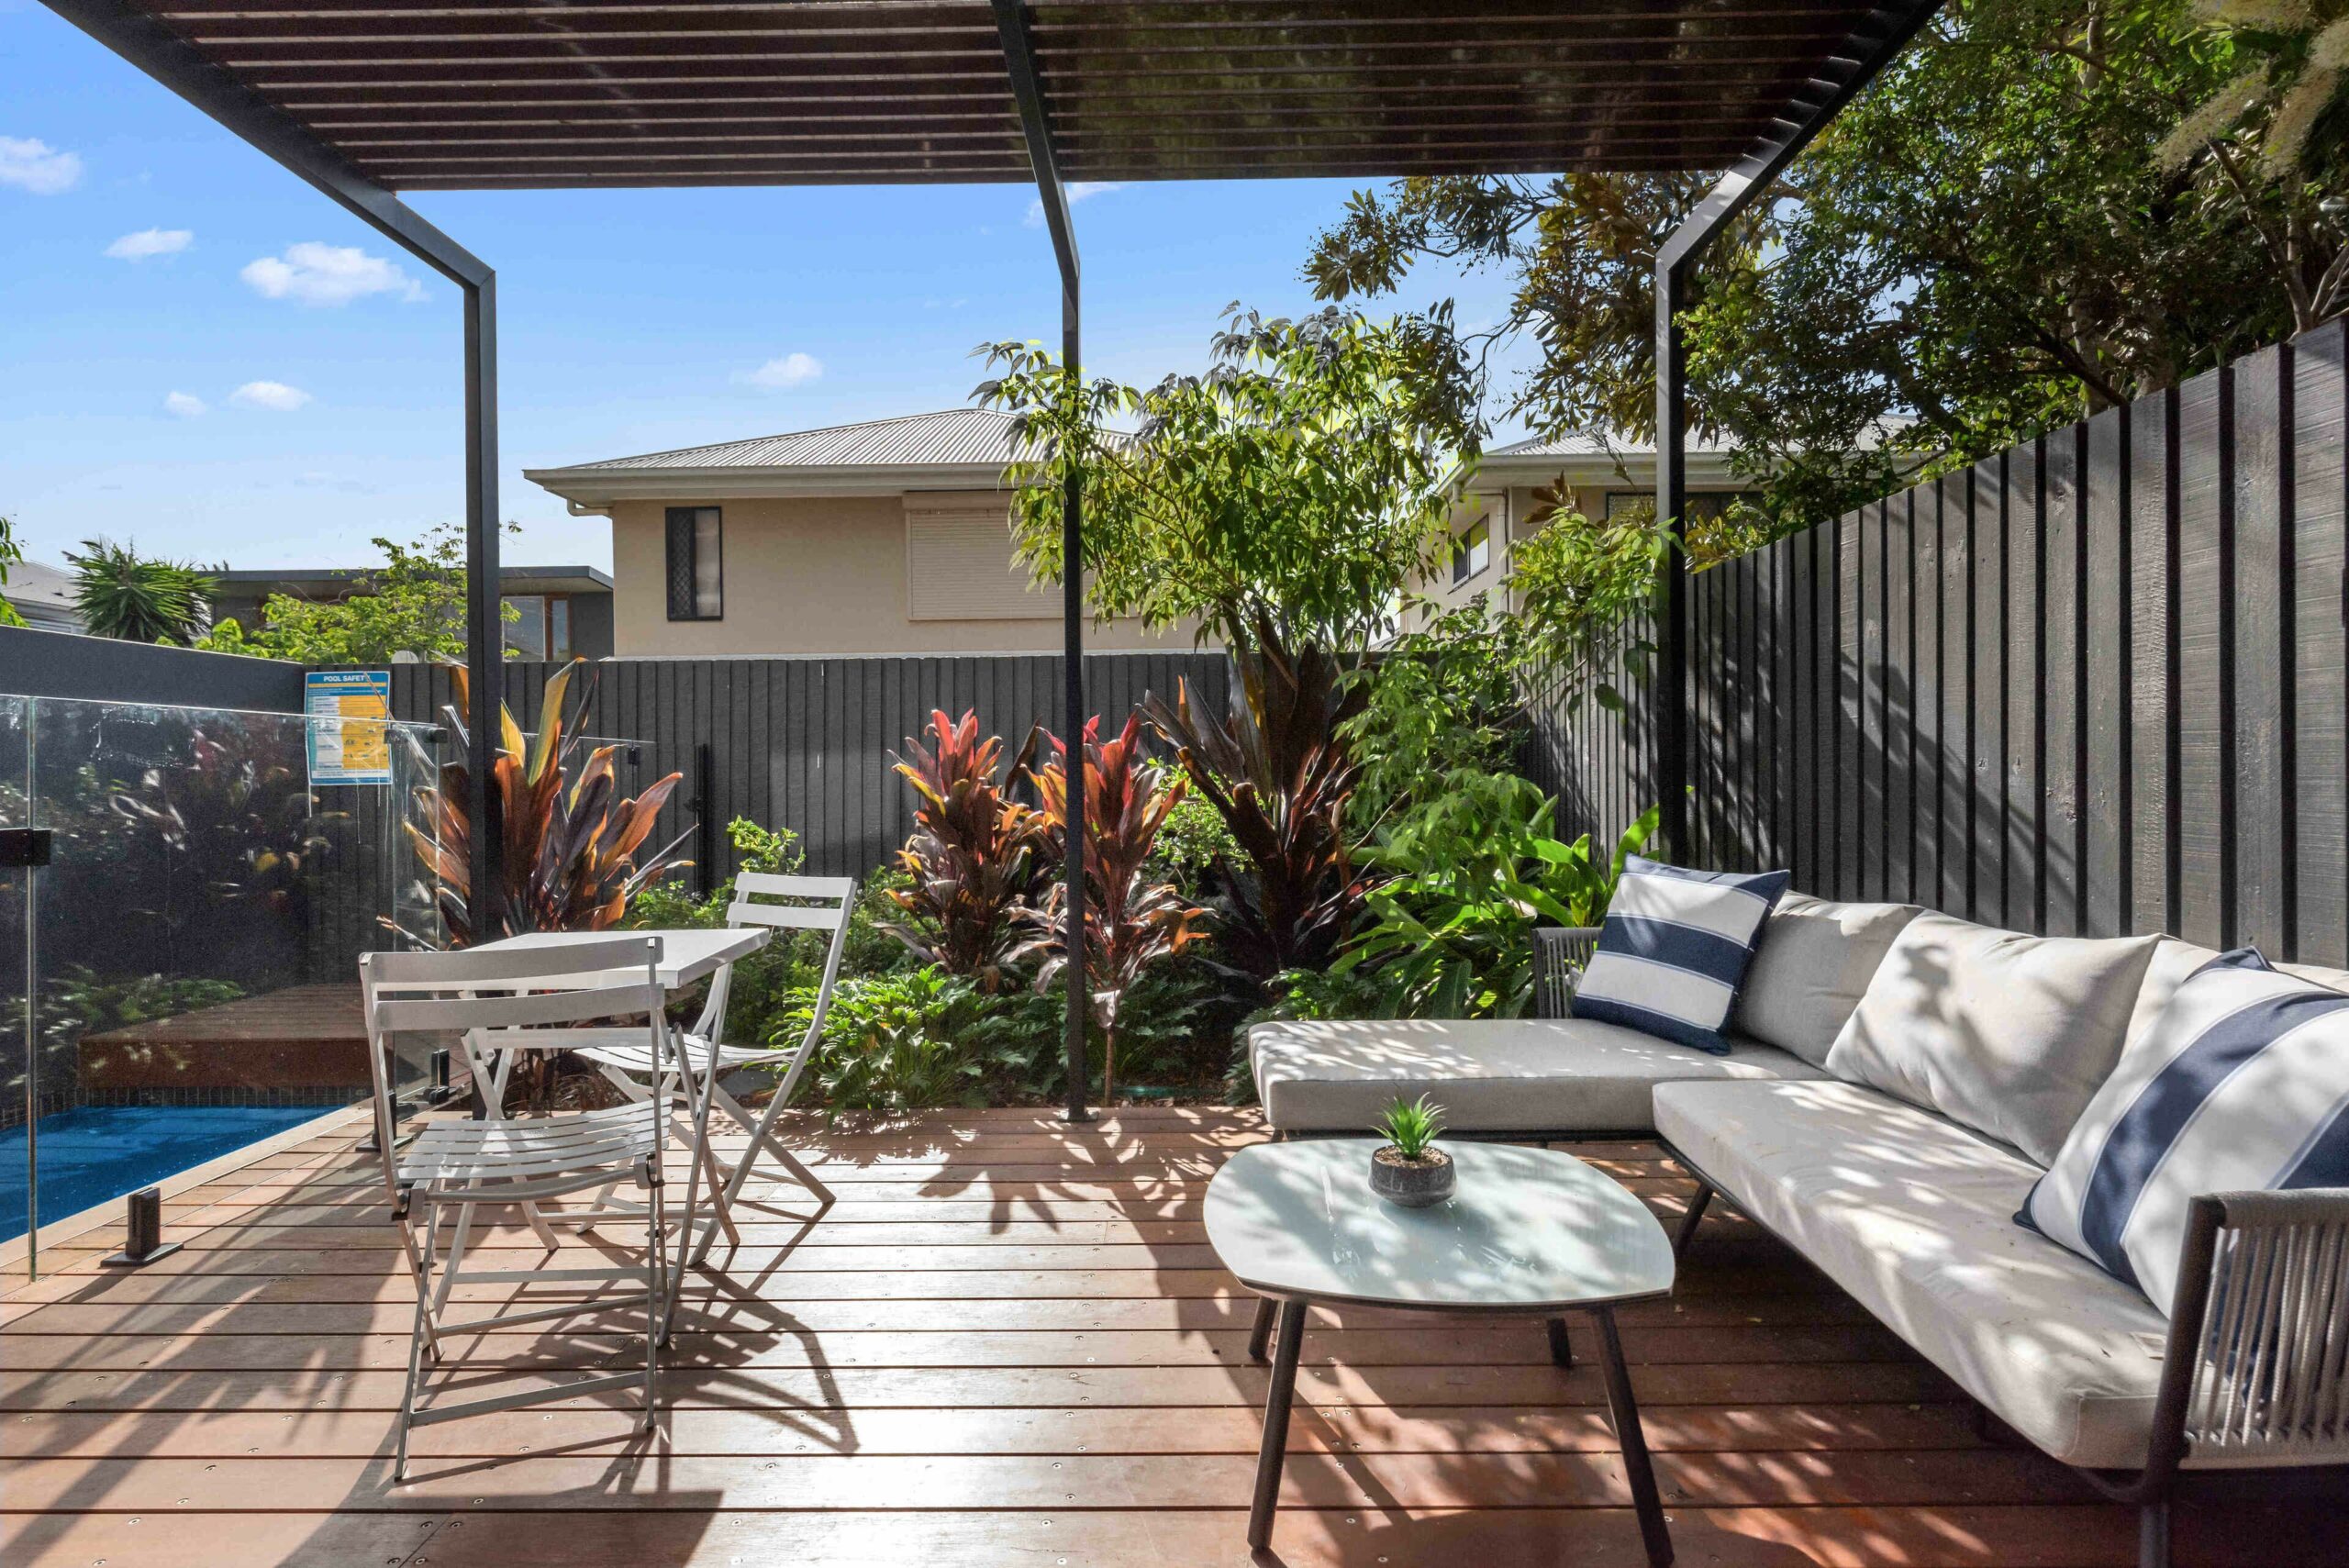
351, 734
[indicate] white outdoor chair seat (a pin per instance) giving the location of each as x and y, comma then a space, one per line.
631, 1057
574, 1150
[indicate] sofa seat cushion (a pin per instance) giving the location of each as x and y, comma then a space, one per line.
1488, 1074
1814, 964
2007, 1033
1914, 1216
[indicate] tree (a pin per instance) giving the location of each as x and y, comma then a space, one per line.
133, 598
414, 604
1298, 484
1987, 242
10, 553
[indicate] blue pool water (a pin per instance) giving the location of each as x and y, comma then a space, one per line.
102, 1151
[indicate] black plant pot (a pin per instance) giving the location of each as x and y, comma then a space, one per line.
1411, 1184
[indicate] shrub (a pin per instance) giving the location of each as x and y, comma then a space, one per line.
1190, 842
922, 1037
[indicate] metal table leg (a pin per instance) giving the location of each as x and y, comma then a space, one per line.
1261, 1329
1288, 1340
1631, 1440
1562, 1349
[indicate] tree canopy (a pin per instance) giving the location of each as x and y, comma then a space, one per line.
1298, 484
2043, 207
414, 604
121, 593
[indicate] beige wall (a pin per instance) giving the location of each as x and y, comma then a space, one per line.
814, 575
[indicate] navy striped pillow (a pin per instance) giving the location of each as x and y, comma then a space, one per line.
2242, 1084
1674, 949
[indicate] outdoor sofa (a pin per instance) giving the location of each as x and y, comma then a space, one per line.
1908, 1201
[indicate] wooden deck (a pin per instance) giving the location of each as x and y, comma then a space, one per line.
1007, 1343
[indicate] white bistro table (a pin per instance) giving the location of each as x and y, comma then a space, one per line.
1529, 1232
688, 957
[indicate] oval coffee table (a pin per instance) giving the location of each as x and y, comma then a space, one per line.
1531, 1233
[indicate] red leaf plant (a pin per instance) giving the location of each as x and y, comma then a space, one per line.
1130, 923
975, 854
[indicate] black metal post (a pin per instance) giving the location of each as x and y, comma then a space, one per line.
484, 603
1027, 88
1872, 48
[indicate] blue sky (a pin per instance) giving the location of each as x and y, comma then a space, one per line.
252, 376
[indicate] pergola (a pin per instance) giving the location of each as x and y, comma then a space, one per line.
366, 99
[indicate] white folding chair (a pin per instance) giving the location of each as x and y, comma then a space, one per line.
501, 1001
816, 903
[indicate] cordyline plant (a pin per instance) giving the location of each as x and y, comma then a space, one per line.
572, 844
1275, 771
1130, 921
976, 855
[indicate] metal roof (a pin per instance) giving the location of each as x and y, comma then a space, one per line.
430, 95
952, 437
1584, 444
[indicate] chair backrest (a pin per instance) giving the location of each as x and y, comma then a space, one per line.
510, 990
818, 903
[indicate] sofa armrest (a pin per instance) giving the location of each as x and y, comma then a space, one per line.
2254, 1369
1559, 954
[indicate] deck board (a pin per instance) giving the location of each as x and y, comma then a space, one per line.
1008, 1342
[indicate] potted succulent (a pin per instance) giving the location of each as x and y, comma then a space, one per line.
1409, 1169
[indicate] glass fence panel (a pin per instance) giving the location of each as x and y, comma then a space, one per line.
17, 1090
196, 937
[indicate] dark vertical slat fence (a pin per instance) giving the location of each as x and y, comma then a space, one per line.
2091, 686
806, 743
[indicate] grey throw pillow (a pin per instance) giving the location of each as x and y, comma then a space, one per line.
1815, 962
2008, 1034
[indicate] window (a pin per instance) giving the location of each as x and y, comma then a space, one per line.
959, 564
1472, 552
697, 564
543, 629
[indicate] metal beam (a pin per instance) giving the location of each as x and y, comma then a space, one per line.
1874, 46
139, 37
1027, 87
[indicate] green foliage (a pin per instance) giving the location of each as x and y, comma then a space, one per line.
1472, 871
1410, 1126
1999, 237
763, 982
892, 1042
414, 604
1297, 485
975, 856
81, 1001
1444, 696
11, 552
134, 598
1189, 843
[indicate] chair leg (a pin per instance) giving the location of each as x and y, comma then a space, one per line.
418, 1330
2152, 1533
1689, 1221
656, 1281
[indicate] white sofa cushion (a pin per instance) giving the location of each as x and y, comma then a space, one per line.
1815, 962
1674, 949
1489, 1074
2008, 1034
2240, 1084
1914, 1217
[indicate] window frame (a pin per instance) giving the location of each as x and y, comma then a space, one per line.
688, 520
1476, 535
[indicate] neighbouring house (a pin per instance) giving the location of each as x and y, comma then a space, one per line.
564, 611
1602, 479
883, 537
43, 594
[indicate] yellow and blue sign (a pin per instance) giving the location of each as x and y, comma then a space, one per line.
350, 732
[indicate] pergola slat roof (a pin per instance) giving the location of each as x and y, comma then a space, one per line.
424, 95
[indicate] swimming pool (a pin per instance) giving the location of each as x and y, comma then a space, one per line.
96, 1153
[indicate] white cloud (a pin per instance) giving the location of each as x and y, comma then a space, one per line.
790, 371
314, 273
1078, 190
36, 166
150, 242
270, 394
183, 406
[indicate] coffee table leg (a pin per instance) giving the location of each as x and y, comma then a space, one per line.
1261, 1329
1625, 1411
1562, 1349
1286, 1341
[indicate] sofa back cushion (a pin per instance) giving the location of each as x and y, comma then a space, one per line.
2242, 1084
2005, 1033
1814, 964
1675, 949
